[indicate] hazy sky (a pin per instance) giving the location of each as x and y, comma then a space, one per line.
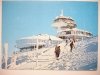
23, 18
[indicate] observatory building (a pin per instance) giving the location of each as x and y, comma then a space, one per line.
67, 28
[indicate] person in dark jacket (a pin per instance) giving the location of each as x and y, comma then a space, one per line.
57, 52
71, 45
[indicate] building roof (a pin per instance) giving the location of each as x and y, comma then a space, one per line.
62, 20
43, 37
75, 29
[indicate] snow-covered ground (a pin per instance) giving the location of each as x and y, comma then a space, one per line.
82, 57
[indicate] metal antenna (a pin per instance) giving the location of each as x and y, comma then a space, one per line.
61, 13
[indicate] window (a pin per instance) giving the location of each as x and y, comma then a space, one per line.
68, 32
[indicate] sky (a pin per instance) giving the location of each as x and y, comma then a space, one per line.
27, 18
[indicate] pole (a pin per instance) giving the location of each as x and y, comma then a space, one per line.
13, 60
37, 52
6, 54
49, 41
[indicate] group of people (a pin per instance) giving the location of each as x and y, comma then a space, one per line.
71, 44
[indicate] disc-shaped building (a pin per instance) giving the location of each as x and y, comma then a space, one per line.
67, 28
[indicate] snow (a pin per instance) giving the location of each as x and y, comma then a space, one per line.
82, 57
79, 58
43, 37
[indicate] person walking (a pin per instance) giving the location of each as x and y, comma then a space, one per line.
67, 42
71, 45
57, 52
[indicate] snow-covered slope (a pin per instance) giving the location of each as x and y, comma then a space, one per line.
83, 57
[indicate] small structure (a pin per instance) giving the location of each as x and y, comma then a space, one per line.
30, 43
